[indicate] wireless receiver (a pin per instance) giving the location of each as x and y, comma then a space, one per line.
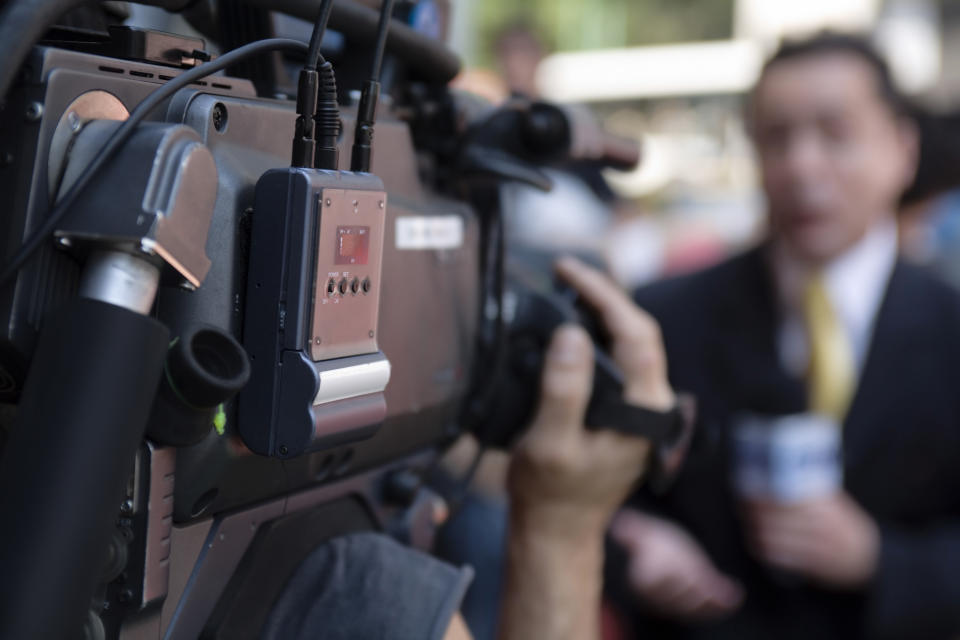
313, 286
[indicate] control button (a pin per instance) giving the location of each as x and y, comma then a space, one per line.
355, 286
366, 285
331, 287
343, 286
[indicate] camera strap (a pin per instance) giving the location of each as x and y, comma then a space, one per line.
610, 411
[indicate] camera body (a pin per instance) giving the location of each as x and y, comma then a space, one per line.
366, 309
422, 303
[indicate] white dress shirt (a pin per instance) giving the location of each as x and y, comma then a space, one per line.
855, 281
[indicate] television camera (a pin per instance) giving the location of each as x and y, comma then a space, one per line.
233, 330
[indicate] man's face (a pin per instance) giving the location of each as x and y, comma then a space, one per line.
833, 156
519, 57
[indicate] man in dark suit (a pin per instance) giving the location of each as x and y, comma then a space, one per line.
821, 317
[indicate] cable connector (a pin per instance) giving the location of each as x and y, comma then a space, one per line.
304, 139
327, 119
369, 95
363, 135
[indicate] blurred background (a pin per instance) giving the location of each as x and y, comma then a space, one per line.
673, 74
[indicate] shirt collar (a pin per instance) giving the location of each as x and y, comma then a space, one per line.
856, 280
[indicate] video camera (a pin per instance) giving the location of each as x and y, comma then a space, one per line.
226, 339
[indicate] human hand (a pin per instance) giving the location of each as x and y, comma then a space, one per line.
636, 344
831, 540
564, 480
573, 479
669, 570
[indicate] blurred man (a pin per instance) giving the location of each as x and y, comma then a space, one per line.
821, 318
519, 53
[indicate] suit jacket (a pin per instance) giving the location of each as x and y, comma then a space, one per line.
901, 451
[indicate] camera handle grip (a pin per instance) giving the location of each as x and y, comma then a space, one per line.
80, 420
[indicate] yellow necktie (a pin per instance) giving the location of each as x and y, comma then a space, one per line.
831, 376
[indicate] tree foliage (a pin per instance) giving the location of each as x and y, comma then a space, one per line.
570, 25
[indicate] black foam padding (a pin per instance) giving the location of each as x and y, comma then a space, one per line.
205, 366
71, 450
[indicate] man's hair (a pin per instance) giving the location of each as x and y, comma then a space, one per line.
830, 43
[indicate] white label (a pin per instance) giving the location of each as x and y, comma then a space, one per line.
429, 232
787, 458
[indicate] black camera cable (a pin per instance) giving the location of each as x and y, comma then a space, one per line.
314, 59
318, 114
369, 95
126, 129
